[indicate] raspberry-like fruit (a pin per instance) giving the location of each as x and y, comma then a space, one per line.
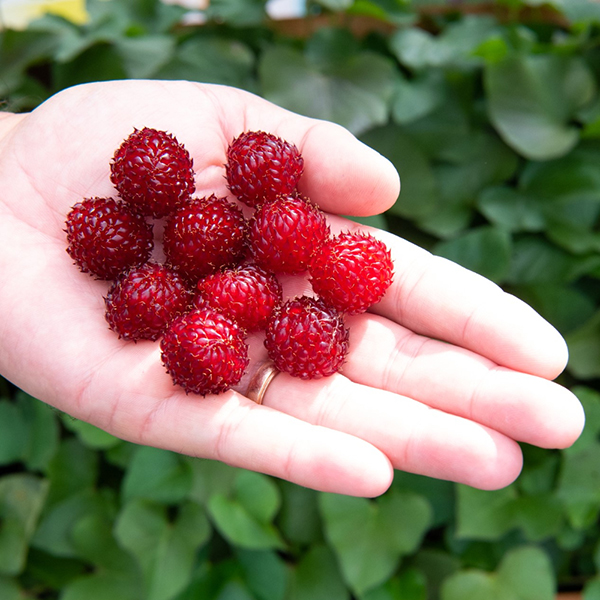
105, 237
352, 272
153, 172
204, 352
245, 294
203, 236
284, 234
307, 339
260, 166
144, 300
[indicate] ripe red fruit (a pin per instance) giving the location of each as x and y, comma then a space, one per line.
245, 294
307, 339
204, 352
105, 237
144, 300
352, 272
153, 172
260, 166
204, 235
285, 234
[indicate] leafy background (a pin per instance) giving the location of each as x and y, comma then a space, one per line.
505, 183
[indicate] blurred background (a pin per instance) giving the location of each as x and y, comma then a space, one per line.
443, 89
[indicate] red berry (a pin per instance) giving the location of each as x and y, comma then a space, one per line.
245, 294
260, 166
352, 272
307, 339
204, 352
204, 235
105, 237
153, 172
285, 233
144, 300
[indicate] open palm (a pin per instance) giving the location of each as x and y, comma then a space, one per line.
443, 377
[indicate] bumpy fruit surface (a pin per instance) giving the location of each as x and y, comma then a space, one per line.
307, 339
204, 352
352, 272
105, 237
203, 236
153, 172
245, 294
285, 233
144, 300
260, 166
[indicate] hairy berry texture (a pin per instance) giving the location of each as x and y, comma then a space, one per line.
153, 172
204, 352
307, 339
203, 236
284, 234
144, 300
245, 294
260, 166
352, 272
105, 237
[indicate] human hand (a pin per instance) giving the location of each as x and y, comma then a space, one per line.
444, 376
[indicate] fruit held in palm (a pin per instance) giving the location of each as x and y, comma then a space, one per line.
352, 271
261, 166
247, 294
144, 300
204, 352
307, 339
203, 236
105, 237
284, 234
153, 172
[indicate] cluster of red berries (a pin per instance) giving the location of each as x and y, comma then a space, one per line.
218, 280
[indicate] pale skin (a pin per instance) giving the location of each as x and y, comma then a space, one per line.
444, 376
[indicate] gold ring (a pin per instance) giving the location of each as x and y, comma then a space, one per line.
257, 388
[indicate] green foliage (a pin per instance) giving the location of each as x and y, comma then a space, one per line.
493, 122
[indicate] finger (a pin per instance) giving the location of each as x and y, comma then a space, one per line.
416, 438
232, 429
519, 405
437, 298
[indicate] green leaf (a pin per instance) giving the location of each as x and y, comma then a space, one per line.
73, 468
156, 474
484, 515
410, 584
510, 209
238, 13
210, 477
454, 47
356, 94
22, 498
584, 349
53, 534
418, 97
165, 551
370, 537
265, 573
524, 574
13, 433
211, 60
418, 195
299, 520
144, 56
535, 122
485, 250
317, 577
89, 435
10, 590
102, 586
244, 513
